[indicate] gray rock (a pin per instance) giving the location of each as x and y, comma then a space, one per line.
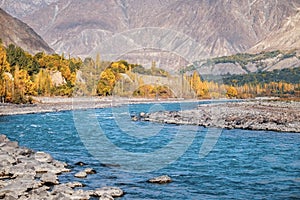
59, 164
90, 171
62, 188
49, 178
46, 167
39, 193
74, 184
106, 197
4, 157
112, 191
80, 194
22, 169
3, 138
17, 187
160, 179
43, 157
12, 144
12, 196
82, 174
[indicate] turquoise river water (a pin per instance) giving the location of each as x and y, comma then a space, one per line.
239, 164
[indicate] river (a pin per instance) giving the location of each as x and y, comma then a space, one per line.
236, 164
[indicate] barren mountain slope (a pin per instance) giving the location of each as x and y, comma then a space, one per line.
14, 31
285, 38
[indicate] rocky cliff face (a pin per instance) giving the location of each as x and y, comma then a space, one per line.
14, 31
202, 28
287, 37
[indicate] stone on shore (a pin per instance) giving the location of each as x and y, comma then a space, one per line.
90, 171
161, 179
82, 174
112, 191
43, 157
106, 197
49, 179
74, 184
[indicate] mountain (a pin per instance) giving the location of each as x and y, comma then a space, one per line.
119, 27
14, 31
286, 37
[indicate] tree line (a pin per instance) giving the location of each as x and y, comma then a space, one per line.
23, 75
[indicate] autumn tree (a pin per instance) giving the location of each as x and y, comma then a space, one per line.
199, 87
106, 83
231, 92
4, 68
43, 83
23, 86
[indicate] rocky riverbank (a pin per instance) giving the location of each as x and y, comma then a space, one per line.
56, 104
29, 175
253, 115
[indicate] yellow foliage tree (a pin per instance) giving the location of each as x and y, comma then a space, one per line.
231, 92
199, 87
106, 83
22, 86
43, 83
4, 67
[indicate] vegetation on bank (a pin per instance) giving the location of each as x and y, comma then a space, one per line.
289, 75
23, 75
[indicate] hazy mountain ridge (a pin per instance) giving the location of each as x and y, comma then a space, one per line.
220, 27
286, 37
14, 31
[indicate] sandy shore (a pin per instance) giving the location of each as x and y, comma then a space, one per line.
253, 115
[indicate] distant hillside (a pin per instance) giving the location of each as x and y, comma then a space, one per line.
14, 31
245, 63
286, 37
284, 75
